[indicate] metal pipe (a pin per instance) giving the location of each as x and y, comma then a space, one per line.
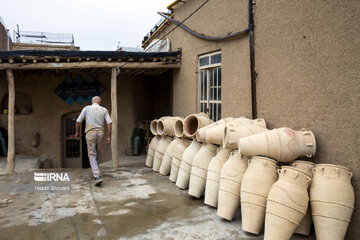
210, 38
171, 6
252, 61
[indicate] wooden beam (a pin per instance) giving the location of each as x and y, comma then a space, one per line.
114, 117
92, 64
11, 125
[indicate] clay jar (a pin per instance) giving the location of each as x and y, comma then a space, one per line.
258, 178
168, 156
201, 133
166, 126
153, 126
195, 121
230, 182
243, 121
213, 176
186, 163
151, 151
177, 156
179, 128
281, 144
332, 201
232, 133
160, 151
305, 225
199, 168
287, 203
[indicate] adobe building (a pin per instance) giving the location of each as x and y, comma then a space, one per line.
304, 72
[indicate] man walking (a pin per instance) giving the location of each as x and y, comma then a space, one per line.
94, 115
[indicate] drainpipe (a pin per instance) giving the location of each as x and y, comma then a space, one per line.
171, 6
252, 61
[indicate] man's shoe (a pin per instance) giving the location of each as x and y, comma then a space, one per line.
98, 181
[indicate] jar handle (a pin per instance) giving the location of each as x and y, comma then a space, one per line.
278, 170
350, 175
249, 161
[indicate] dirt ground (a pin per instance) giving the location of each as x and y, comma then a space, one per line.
133, 203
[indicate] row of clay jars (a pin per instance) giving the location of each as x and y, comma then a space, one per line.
213, 176
160, 151
258, 178
168, 156
214, 133
177, 156
199, 168
281, 144
332, 201
305, 225
287, 203
230, 183
166, 126
186, 163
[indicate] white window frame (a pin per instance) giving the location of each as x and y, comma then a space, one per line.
207, 68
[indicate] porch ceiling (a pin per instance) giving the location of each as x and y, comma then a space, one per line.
132, 63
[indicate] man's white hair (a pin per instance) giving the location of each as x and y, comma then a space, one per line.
96, 98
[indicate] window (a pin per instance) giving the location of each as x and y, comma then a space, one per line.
210, 85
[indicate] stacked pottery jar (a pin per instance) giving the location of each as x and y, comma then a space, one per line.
177, 156
332, 201
287, 203
258, 178
152, 145
199, 168
305, 225
230, 182
168, 156
213, 176
186, 163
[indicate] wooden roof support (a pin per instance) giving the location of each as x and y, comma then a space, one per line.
11, 123
91, 64
114, 117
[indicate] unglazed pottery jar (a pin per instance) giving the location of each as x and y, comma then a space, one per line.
177, 156
153, 126
230, 182
179, 128
168, 156
281, 144
213, 176
194, 122
199, 168
166, 126
201, 132
332, 201
151, 151
305, 225
186, 163
260, 175
243, 121
160, 151
232, 133
287, 203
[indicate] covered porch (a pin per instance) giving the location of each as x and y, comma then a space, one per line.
133, 86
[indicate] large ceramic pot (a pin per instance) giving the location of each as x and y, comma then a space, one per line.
305, 225
281, 144
151, 151
258, 178
230, 182
244, 121
168, 156
194, 122
332, 201
199, 169
232, 133
177, 156
160, 151
213, 176
166, 126
153, 126
201, 132
179, 128
287, 203
186, 163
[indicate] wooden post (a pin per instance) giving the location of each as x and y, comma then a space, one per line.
11, 128
114, 117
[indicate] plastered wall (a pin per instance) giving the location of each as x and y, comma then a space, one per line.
214, 19
308, 65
